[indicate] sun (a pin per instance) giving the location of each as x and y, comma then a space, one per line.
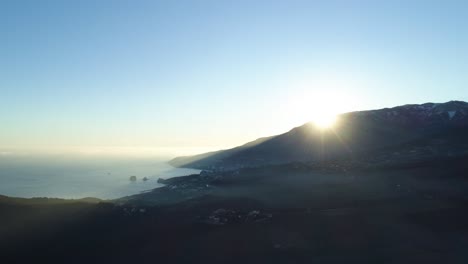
320, 98
325, 121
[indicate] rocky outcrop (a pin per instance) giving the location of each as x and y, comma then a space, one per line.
223, 216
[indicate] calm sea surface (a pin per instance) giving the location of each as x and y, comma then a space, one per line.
77, 177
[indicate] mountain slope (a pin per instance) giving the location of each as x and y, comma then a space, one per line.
205, 159
355, 134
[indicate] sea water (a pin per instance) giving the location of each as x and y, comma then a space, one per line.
72, 176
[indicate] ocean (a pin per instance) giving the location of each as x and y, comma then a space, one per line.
78, 176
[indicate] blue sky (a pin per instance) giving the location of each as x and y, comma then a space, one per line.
216, 73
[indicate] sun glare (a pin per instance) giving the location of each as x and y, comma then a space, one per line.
319, 98
324, 121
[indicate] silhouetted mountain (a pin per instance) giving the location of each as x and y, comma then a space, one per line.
355, 135
204, 159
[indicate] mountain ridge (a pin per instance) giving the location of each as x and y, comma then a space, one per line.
355, 134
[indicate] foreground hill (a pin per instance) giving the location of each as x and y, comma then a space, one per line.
356, 134
294, 213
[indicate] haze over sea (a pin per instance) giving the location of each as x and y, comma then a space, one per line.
101, 173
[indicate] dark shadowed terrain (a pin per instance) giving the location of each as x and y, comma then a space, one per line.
285, 214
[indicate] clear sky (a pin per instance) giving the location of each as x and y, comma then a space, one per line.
216, 73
